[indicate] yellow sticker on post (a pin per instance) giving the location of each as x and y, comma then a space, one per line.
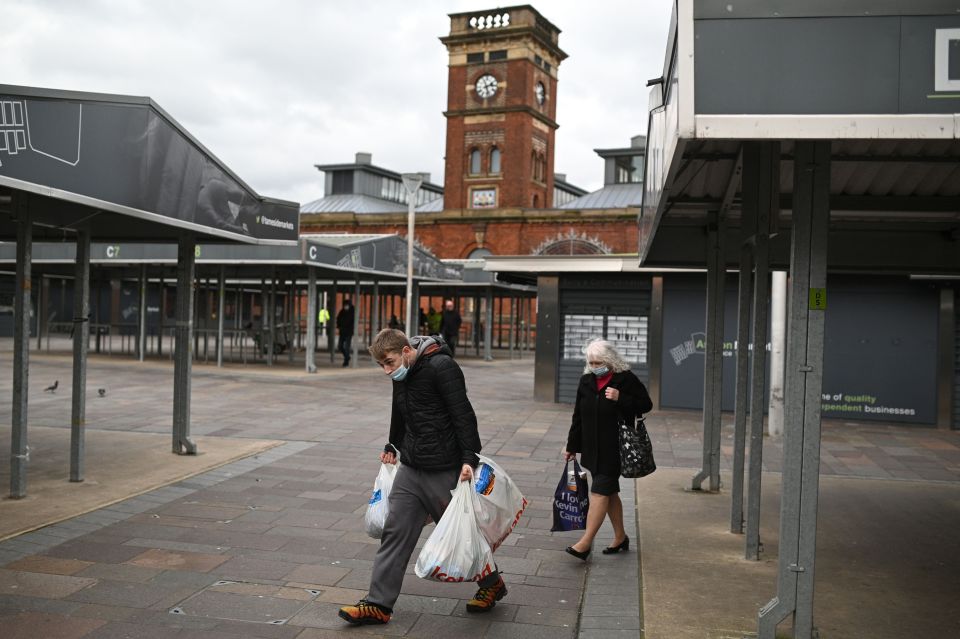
818, 299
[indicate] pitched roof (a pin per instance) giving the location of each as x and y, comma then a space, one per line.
612, 196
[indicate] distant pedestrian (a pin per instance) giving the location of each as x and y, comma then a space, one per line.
345, 329
435, 428
394, 322
608, 392
450, 326
433, 321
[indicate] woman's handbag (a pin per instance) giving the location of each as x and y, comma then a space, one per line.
636, 451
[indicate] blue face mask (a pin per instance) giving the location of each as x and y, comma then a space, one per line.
400, 373
600, 371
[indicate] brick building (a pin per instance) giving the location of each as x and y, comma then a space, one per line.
500, 194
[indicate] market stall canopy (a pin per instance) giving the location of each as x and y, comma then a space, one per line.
877, 81
126, 169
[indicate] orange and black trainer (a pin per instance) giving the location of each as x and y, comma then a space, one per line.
487, 597
365, 613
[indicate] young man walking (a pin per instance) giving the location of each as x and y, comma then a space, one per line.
435, 429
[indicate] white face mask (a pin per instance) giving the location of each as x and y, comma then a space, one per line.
600, 371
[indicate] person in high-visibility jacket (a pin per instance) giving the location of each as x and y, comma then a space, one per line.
322, 318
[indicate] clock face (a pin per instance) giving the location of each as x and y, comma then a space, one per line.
540, 92
486, 86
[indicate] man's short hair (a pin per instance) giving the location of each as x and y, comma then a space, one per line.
389, 340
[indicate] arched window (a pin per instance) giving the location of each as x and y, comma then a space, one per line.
536, 201
533, 165
475, 162
494, 160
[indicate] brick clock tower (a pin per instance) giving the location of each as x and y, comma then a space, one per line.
501, 109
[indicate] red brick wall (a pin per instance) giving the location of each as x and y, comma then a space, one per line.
454, 234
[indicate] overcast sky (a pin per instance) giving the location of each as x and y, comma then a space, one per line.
274, 88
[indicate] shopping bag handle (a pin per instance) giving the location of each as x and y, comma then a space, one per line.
576, 467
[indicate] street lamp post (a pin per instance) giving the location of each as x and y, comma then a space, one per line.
411, 182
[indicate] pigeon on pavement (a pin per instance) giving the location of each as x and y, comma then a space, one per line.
53, 388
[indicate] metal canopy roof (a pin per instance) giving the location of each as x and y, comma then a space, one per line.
369, 256
124, 168
894, 178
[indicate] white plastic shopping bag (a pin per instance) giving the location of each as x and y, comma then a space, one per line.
379, 506
501, 502
457, 550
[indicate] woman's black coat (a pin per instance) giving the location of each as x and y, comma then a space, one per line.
593, 431
433, 423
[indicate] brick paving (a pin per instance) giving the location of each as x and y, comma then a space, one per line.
272, 545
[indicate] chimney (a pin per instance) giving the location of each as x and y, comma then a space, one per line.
638, 141
364, 158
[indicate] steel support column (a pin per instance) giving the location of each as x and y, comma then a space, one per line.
81, 342
745, 283
183, 357
488, 329
375, 323
19, 451
713, 360
332, 321
221, 305
801, 450
142, 333
310, 354
272, 310
768, 206
355, 342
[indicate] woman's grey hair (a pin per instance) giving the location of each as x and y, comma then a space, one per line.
601, 350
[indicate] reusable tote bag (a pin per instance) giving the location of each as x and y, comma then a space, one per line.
636, 451
571, 501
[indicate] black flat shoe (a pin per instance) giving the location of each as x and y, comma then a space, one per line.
579, 555
623, 545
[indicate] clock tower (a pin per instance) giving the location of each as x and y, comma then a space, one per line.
501, 109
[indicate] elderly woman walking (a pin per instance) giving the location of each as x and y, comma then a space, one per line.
608, 392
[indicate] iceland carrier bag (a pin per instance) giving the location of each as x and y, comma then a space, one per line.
457, 550
571, 501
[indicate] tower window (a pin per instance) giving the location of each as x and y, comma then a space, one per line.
474, 58
498, 55
475, 162
537, 60
495, 160
546, 67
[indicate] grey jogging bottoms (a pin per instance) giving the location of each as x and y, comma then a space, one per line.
415, 494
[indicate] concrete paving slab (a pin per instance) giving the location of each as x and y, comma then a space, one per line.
119, 465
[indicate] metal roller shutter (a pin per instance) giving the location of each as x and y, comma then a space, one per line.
616, 310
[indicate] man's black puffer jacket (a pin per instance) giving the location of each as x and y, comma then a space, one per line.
433, 423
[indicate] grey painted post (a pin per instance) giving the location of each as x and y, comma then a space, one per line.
183, 357
332, 322
292, 328
713, 357
488, 329
513, 325
272, 327
221, 305
311, 362
41, 311
743, 365
163, 313
375, 316
768, 201
263, 316
804, 385
142, 336
355, 342
19, 451
81, 342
